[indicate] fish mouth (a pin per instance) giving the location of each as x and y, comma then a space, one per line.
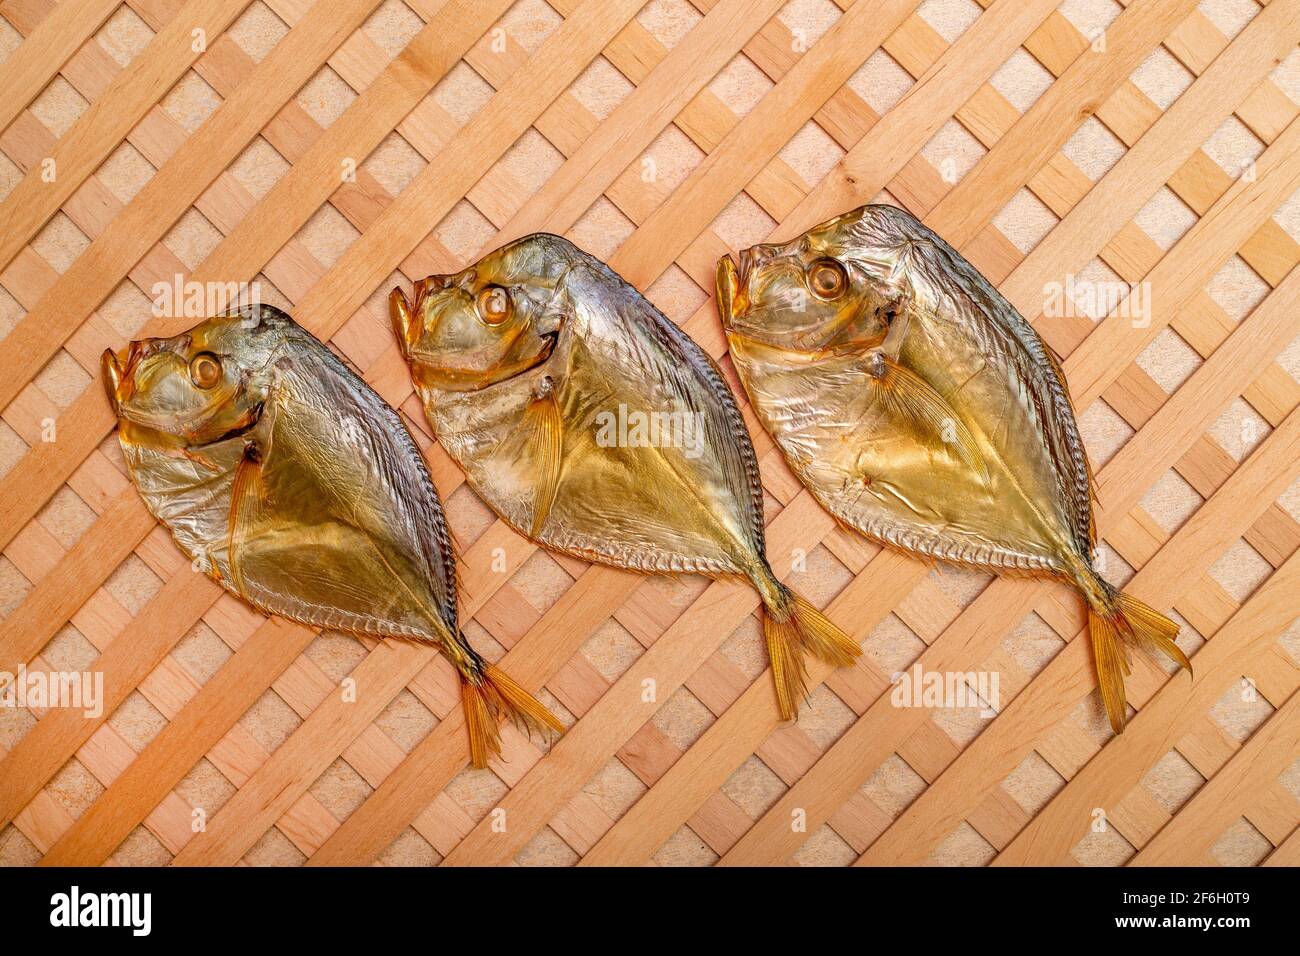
731, 285
119, 373
434, 369
113, 376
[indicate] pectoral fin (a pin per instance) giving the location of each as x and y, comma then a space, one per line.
247, 496
545, 432
906, 395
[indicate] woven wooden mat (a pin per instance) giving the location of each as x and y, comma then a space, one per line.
328, 151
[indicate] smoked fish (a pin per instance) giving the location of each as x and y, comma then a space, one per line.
921, 409
591, 424
293, 485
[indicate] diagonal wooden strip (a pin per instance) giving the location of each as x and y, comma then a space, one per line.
1153, 159
1068, 678
640, 117
316, 174
60, 33
186, 738
931, 101
97, 132
171, 190
1048, 124
744, 151
127, 660
642, 830
1200, 822
302, 758
71, 582
1287, 852
1111, 774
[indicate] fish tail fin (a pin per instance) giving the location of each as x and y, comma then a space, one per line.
793, 628
1117, 620
489, 696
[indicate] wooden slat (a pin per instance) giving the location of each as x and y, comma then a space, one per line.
98, 131
1220, 802
1051, 835
57, 37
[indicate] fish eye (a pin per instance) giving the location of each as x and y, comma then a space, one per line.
494, 305
205, 370
827, 279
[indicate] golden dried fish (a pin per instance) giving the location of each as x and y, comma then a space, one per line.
921, 409
590, 423
290, 482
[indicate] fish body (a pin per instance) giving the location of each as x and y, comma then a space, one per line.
292, 484
590, 423
920, 408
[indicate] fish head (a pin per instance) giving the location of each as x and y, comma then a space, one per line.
490, 322
200, 385
811, 295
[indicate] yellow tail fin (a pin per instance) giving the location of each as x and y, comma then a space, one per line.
1114, 620
490, 696
793, 628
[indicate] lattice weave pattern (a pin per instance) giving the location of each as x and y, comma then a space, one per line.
1128, 174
